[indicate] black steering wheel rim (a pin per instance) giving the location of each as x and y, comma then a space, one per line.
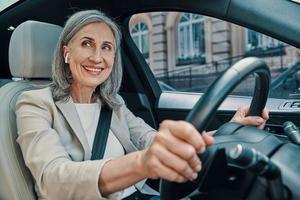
207, 105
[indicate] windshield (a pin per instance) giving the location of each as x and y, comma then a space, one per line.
187, 52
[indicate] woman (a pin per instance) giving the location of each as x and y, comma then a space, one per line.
57, 124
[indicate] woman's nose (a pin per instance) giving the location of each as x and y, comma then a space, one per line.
96, 57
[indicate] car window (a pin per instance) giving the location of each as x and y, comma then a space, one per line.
186, 52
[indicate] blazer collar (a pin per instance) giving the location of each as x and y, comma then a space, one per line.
69, 111
121, 131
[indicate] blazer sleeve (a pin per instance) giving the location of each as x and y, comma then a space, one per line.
141, 134
56, 175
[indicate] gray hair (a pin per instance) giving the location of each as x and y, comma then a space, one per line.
61, 73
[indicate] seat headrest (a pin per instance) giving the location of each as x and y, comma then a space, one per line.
31, 49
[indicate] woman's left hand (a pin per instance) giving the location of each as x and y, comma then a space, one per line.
258, 121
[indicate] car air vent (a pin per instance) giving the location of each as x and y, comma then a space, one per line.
290, 105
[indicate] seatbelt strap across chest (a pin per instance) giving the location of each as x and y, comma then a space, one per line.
102, 131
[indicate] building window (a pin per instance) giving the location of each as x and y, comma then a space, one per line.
139, 34
262, 45
191, 46
253, 38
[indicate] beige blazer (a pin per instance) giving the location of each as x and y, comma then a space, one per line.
55, 147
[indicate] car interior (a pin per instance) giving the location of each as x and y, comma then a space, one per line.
26, 56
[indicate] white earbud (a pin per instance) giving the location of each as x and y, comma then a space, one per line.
67, 58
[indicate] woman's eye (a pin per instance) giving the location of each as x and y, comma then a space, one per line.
86, 44
107, 47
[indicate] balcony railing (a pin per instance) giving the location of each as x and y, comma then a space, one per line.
197, 78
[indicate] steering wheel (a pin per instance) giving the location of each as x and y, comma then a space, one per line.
207, 105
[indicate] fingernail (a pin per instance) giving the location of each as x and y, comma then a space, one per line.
202, 149
194, 176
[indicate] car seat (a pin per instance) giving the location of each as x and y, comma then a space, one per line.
30, 56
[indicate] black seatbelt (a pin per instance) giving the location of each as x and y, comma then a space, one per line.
100, 141
102, 131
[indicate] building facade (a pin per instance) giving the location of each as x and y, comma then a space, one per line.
184, 44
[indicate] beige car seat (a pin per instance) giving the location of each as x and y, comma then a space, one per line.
30, 55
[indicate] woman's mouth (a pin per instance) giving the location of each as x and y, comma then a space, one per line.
93, 70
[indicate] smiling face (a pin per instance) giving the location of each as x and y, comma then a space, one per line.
90, 54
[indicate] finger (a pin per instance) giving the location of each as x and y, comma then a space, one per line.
186, 132
210, 133
240, 114
165, 172
208, 138
261, 126
195, 164
253, 120
185, 168
265, 114
175, 145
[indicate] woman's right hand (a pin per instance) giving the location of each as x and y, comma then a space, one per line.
173, 152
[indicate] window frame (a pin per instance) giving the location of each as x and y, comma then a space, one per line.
140, 34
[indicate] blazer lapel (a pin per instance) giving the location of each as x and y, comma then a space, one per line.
69, 111
122, 133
